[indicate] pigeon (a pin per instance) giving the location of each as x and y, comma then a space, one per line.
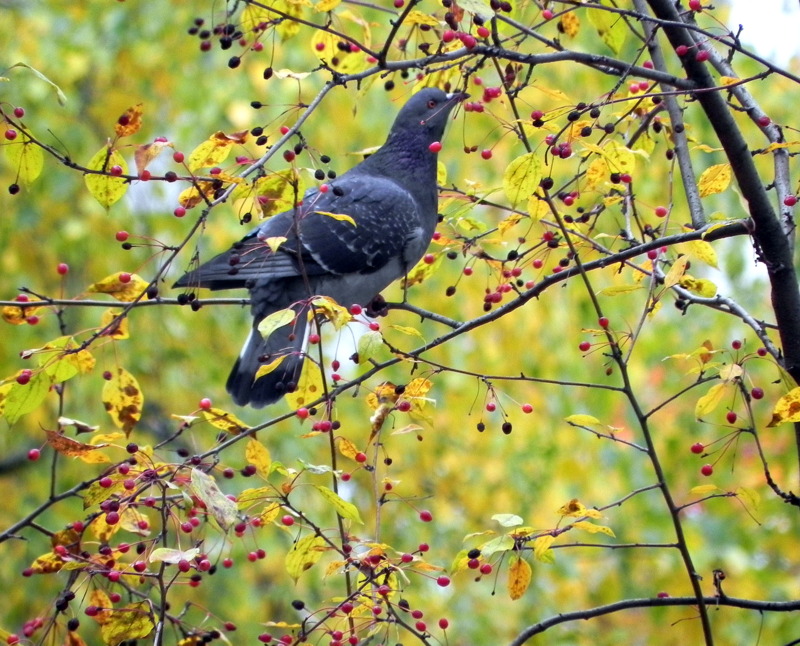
347, 240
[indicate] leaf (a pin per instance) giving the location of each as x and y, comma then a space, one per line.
118, 329
80, 427
304, 554
123, 286
221, 508
477, 7
619, 158
258, 455
25, 158
617, 290
711, 400
346, 447
541, 544
275, 321
519, 577
60, 96
702, 490
266, 368
309, 386
573, 508
274, 242
507, 520
416, 17
590, 527
130, 122
714, 179
123, 399
335, 313
700, 286
610, 26
341, 217
129, 623
47, 563
582, 420
570, 24
369, 344
521, 178
702, 251
146, 153
105, 188
21, 399
325, 5
224, 421
214, 150
172, 556
596, 174
676, 271
68, 446
18, 315
277, 192
346, 510
787, 408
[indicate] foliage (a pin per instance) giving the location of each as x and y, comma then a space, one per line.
578, 406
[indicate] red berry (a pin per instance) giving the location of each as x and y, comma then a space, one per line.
602, 322
790, 200
697, 448
403, 406
731, 417
124, 277
288, 155
443, 581
736, 344
145, 175
491, 407
105, 482
91, 611
761, 352
205, 403
407, 558
374, 326
121, 236
661, 211
435, 147
179, 211
584, 346
527, 408
757, 393
288, 520
62, 268
486, 568
443, 623
34, 454
116, 170
178, 156
486, 153
547, 14
423, 547
681, 50
399, 3
467, 40
648, 65
361, 457
448, 36
302, 413
764, 121
702, 56
425, 516
707, 469
19, 112
695, 5
313, 339
625, 178
112, 518
429, 259
24, 377
11, 134
227, 563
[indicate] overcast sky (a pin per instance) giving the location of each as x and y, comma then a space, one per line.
771, 27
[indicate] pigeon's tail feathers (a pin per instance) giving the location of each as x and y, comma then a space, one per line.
281, 351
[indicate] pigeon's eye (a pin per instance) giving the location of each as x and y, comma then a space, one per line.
431, 104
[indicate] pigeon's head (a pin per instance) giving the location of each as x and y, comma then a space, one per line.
424, 116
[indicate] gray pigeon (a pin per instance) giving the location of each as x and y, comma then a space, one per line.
390, 199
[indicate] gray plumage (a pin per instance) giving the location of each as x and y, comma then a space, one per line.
392, 198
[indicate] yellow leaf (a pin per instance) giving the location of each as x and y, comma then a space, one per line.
787, 409
441, 174
714, 179
701, 286
309, 386
573, 508
25, 158
47, 563
620, 158
731, 372
250, 497
708, 402
277, 192
224, 421
214, 150
728, 80
702, 490
570, 24
275, 242
258, 455
335, 313
418, 18
616, 290
582, 420
275, 321
304, 554
587, 526
508, 222
405, 329
123, 399
541, 544
270, 513
610, 26
123, 286
18, 315
522, 177
105, 188
221, 508
130, 122
326, 5
117, 326
779, 144
700, 250
346, 510
676, 271
519, 577
130, 623
596, 173
347, 448
266, 368
341, 217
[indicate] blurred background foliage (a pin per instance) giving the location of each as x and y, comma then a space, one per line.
109, 56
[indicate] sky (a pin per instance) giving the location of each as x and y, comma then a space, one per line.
771, 27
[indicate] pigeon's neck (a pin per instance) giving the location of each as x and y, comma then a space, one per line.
414, 167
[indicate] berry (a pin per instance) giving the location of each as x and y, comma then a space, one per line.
124, 277
443, 623
764, 121
13, 189
486, 568
425, 516
757, 393
584, 346
661, 211
115, 170
731, 417
483, 32
62, 268
681, 50
736, 344
443, 581
790, 200
112, 518
435, 147
24, 377
547, 14
302, 413
287, 520
707, 470
702, 56
289, 155
121, 236
448, 36
178, 157
179, 212
697, 448
486, 153
527, 408
11, 134
361, 457
695, 5
205, 403
429, 259
19, 112
34, 454
602, 322
105, 482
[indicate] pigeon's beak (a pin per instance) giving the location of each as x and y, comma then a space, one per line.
457, 97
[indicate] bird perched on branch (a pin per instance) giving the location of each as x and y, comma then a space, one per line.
347, 240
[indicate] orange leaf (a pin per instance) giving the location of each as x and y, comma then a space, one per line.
130, 122
146, 153
123, 399
68, 446
519, 577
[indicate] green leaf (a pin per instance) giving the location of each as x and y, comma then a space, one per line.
368, 345
24, 398
104, 188
60, 96
610, 26
346, 510
25, 158
507, 520
221, 508
522, 178
127, 624
304, 555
